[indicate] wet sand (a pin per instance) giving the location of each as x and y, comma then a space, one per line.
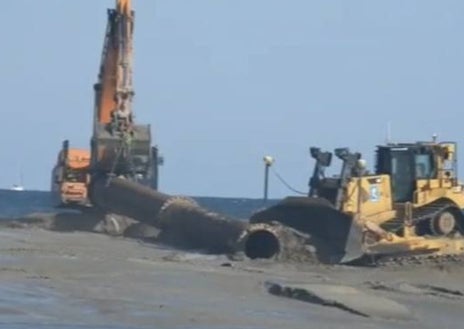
92, 280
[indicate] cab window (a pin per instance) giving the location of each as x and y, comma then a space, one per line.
424, 166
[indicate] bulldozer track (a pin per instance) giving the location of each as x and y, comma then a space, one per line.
420, 215
418, 259
429, 211
415, 261
421, 218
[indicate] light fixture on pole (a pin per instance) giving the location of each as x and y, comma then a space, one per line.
268, 161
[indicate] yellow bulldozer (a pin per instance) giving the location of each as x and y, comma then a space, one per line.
411, 205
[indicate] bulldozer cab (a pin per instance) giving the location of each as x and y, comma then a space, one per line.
408, 163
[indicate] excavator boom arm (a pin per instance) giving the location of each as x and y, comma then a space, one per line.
119, 146
114, 90
124, 6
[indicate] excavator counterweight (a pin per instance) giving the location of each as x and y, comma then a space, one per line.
70, 177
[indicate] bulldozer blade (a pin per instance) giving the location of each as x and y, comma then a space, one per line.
335, 236
354, 250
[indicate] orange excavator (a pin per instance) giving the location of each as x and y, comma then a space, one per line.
119, 146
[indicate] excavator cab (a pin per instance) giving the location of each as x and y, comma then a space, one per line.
128, 155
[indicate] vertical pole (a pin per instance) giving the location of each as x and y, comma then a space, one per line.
268, 161
266, 180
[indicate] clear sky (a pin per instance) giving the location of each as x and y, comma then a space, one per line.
225, 82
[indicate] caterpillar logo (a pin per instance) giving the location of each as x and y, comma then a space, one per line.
374, 193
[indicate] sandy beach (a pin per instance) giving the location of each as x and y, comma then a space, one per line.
88, 280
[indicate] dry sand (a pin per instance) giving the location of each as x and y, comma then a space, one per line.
89, 279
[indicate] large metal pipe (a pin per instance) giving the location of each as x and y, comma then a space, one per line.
187, 225
275, 241
127, 198
183, 223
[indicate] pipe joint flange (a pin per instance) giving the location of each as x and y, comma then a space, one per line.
176, 200
272, 227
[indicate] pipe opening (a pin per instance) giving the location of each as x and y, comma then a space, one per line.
261, 244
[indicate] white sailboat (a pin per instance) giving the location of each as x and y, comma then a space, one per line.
18, 187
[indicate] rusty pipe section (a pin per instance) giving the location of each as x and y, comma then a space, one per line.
275, 241
127, 198
183, 223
